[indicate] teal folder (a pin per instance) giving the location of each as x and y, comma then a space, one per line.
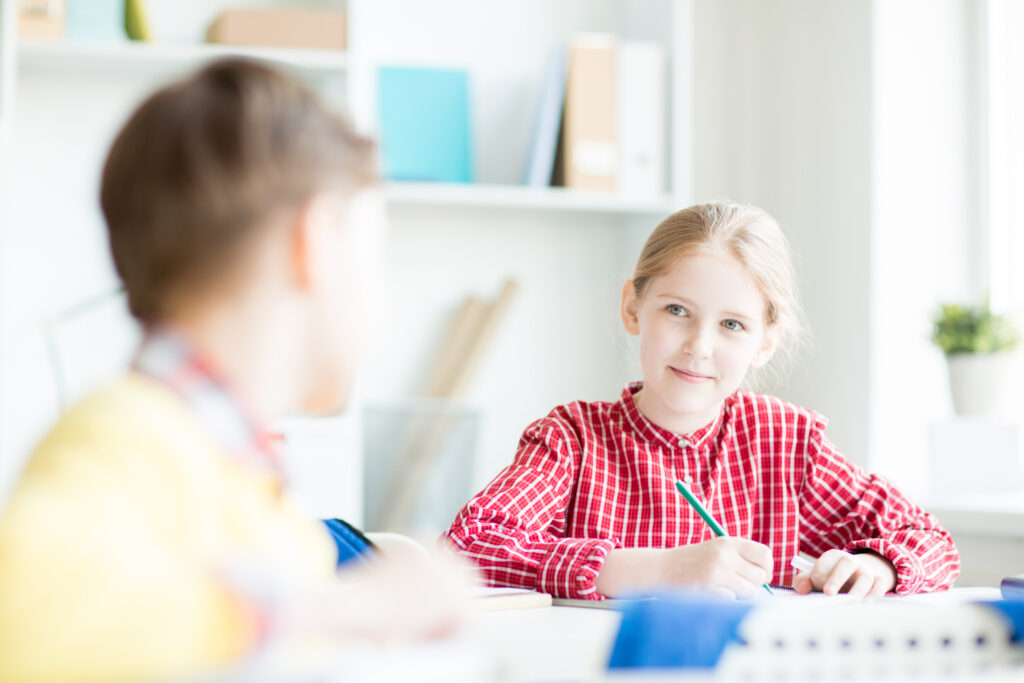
424, 124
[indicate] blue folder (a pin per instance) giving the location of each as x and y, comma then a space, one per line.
353, 546
676, 631
424, 124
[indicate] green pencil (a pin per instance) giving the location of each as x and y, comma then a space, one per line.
705, 515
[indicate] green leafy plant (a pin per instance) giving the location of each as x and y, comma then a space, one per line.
972, 329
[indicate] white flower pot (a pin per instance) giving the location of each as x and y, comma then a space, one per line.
983, 384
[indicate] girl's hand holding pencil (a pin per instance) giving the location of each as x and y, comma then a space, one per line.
735, 567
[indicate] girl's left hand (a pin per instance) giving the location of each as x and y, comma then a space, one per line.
863, 574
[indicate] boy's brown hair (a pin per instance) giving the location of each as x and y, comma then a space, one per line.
203, 164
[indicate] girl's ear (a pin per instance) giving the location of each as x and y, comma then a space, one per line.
629, 308
769, 342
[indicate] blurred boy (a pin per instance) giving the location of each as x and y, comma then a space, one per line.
149, 535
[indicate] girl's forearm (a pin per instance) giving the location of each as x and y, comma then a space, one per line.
627, 568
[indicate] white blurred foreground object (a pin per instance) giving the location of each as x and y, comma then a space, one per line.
892, 638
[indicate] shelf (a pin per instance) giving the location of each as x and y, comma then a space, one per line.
999, 514
444, 195
115, 57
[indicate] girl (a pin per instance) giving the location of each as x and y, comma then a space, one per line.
588, 507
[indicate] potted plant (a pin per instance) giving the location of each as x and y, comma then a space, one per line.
979, 350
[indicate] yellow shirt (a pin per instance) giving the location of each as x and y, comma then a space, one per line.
116, 545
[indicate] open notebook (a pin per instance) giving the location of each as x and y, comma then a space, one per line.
486, 598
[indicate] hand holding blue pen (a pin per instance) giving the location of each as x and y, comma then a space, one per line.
705, 515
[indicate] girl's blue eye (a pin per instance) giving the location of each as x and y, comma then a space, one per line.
733, 325
676, 309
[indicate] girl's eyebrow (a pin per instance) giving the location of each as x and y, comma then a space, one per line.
676, 297
691, 304
739, 316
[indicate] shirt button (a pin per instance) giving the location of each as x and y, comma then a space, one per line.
688, 479
684, 443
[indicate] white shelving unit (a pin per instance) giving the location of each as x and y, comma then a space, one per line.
118, 57
513, 197
159, 59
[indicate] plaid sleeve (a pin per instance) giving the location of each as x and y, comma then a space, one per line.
841, 506
514, 530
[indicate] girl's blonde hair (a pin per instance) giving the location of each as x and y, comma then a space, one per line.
750, 235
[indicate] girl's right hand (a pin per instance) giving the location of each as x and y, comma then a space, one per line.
734, 566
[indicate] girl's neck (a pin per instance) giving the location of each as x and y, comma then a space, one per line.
678, 423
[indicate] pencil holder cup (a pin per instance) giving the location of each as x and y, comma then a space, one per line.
418, 464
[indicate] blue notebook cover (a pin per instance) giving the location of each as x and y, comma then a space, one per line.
424, 124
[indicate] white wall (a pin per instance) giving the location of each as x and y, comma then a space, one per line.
927, 223
782, 116
55, 250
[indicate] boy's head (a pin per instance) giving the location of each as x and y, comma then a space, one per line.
211, 169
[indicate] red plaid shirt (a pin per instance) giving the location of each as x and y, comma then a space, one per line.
591, 477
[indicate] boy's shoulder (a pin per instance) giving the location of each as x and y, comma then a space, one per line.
130, 423
751, 407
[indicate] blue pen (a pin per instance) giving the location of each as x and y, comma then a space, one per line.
706, 516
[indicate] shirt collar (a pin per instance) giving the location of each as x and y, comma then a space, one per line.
652, 432
170, 359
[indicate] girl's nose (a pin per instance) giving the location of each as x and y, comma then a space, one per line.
698, 342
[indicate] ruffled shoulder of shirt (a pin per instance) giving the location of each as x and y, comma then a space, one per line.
746, 407
577, 420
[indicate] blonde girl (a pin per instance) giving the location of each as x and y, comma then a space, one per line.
588, 508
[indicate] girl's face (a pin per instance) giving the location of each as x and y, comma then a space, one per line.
701, 326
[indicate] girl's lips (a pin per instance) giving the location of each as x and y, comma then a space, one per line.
692, 377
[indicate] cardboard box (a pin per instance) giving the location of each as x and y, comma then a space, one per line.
316, 29
41, 19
